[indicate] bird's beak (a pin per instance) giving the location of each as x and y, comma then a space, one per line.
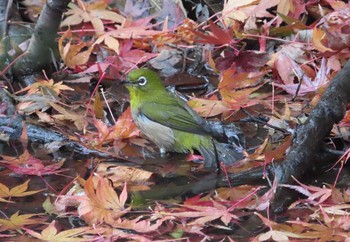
125, 82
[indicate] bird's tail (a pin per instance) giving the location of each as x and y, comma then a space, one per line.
220, 152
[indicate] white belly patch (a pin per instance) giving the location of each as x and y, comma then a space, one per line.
161, 135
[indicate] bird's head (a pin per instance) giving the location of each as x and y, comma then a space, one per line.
143, 81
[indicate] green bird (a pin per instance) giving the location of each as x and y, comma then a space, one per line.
170, 123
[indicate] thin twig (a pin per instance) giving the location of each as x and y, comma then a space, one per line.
257, 120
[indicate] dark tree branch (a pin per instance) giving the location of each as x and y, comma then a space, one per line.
5, 6
13, 128
308, 140
4, 98
43, 39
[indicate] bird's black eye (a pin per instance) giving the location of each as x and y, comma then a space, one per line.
142, 81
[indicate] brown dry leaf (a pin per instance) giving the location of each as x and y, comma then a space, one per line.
135, 177
44, 117
92, 12
138, 225
33, 102
279, 232
46, 87
235, 88
328, 228
98, 107
110, 41
125, 127
208, 107
336, 26
33, 7
74, 54
78, 119
101, 203
38, 103
339, 209
242, 194
134, 32
17, 191
318, 36
279, 152
240, 10
259, 153
16, 160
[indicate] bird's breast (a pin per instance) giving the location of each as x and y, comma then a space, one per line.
161, 135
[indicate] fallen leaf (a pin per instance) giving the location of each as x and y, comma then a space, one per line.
50, 233
101, 204
27, 164
17, 221
206, 214
17, 191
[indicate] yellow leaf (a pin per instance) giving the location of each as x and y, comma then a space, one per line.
109, 15
18, 221
50, 233
112, 43
17, 191
72, 20
284, 7
98, 26
317, 37
233, 10
48, 206
98, 108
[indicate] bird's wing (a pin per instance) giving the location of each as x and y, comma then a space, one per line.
174, 114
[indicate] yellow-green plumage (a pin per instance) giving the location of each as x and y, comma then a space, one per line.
169, 122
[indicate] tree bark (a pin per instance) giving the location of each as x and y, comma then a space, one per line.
4, 9
42, 42
308, 140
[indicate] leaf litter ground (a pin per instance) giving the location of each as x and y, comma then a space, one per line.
56, 195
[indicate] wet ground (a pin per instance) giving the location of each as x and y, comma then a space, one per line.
171, 177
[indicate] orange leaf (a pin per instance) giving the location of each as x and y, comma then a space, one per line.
74, 54
208, 108
236, 87
317, 36
101, 204
124, 127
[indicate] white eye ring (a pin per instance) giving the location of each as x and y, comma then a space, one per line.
142, 81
